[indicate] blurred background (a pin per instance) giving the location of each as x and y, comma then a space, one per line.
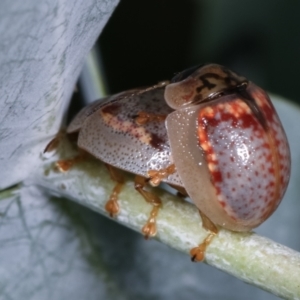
147, 41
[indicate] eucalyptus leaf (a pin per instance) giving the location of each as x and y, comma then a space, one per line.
42, 49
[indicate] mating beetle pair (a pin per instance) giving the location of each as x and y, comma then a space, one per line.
209, 132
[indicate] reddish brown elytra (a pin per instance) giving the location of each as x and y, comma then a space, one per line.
209, 132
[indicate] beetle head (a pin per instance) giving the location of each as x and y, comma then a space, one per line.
201, 84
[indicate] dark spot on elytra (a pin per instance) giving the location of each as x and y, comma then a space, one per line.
111, 109
217, 176
156, 141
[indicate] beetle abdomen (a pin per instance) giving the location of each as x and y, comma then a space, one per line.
247, 154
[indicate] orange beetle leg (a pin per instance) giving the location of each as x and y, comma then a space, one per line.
198, 253
112, 206
149, 229
156, 176
64, 165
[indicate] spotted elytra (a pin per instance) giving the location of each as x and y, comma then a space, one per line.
209, 132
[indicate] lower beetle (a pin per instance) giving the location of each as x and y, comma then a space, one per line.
209, 133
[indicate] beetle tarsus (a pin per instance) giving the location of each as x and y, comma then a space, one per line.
198, 253
150, 229
112, 206
64, 165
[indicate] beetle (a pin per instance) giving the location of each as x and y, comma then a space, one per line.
209, 132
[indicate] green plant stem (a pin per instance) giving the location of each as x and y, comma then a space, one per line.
251, 258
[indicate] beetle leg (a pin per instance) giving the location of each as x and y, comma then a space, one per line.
156, 176
112, 206
149, 228
144, 117
54, 143
65, 165
198, 253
